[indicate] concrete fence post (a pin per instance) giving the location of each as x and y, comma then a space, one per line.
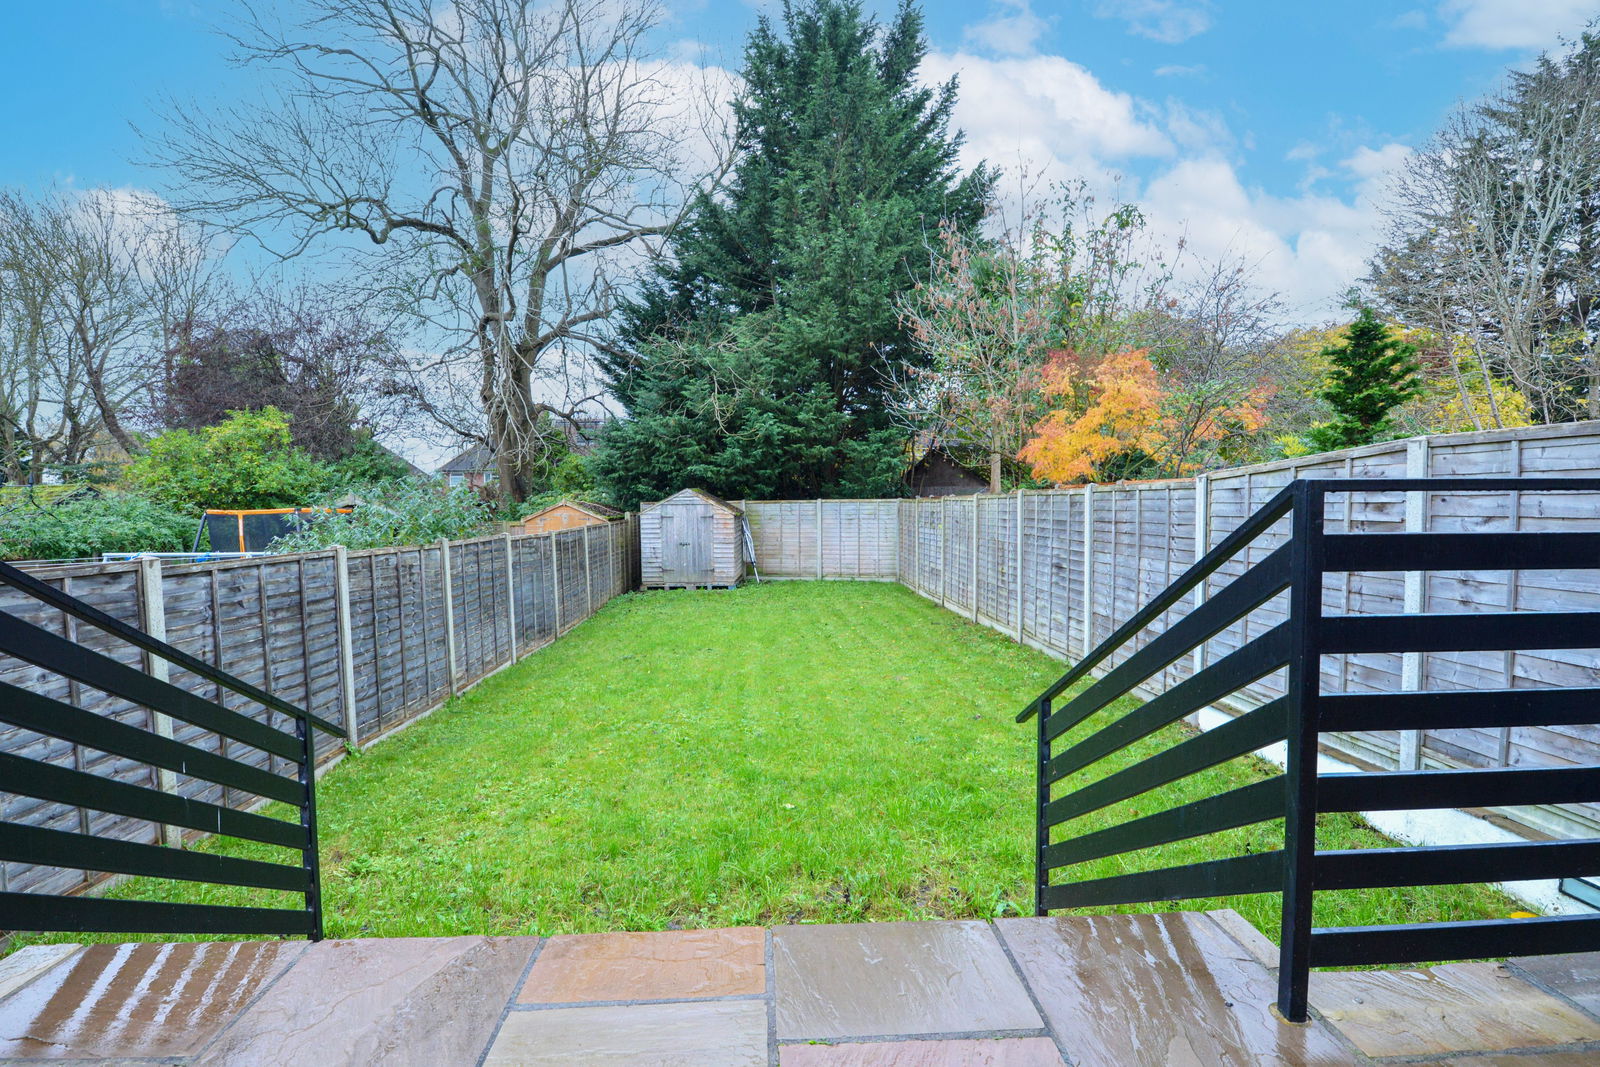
819, 539
511, 596
977, 575
588, 578
917, 580
347, 656
1415, 596
1086, 638
449, 613
1019, 566
1202, 544
153, 621
555, 580
944, 551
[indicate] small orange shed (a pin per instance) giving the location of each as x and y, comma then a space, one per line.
567, 515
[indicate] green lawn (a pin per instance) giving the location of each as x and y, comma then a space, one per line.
787, 752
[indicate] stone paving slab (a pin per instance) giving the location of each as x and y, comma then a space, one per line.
1158, 989
1174, 988
1537, 1059
904, 978
699, 1034
424, 1001
962, 1052
1575, 976
1455, 1007
26, 964
139, 1001
670, 965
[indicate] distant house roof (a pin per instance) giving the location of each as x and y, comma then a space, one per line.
583, 431
411, 468
702, 494
475, 458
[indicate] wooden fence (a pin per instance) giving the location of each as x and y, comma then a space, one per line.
374, 639
1060, 570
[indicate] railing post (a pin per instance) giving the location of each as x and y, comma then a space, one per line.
153, 621
1041, 874
449, 614
347, 659
310, 857
1300, 774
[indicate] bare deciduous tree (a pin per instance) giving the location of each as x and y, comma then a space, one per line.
87, 281
506, 162
1495, 232
1060, 277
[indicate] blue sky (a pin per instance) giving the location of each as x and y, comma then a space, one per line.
1260, 128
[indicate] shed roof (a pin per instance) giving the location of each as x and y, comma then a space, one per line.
702, 494
588, 507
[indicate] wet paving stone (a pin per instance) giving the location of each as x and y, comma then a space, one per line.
1456, 1007
423, 1000
727, 1033
138, 1001
1158, 989
1575, 976
26, 964
962, 1052
888, 979
671, 965
1587, 1058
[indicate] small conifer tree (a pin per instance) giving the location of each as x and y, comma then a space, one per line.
1373, 373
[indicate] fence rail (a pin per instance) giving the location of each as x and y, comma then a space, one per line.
1291, 651
107, 852
1063, 569
367, 641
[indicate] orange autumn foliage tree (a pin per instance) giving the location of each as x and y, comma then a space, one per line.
1118, 406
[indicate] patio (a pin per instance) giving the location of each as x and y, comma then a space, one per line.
1172, 988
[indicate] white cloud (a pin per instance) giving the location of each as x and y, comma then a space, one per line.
1167, 21
1013, 29
1046, 110
1310, 246
1175, 70
1056, 119
1513, 23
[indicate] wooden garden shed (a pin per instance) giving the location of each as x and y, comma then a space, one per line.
691, 538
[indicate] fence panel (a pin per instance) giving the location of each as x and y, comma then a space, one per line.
964, 553
275, 622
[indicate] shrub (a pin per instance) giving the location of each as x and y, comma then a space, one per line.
92, 524
245, 461
396, 513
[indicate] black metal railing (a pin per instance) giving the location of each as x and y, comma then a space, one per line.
30, 710
1295, 647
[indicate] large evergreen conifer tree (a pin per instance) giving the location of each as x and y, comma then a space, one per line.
761, 359
1373, 373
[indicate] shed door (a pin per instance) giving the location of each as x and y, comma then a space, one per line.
686, 535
